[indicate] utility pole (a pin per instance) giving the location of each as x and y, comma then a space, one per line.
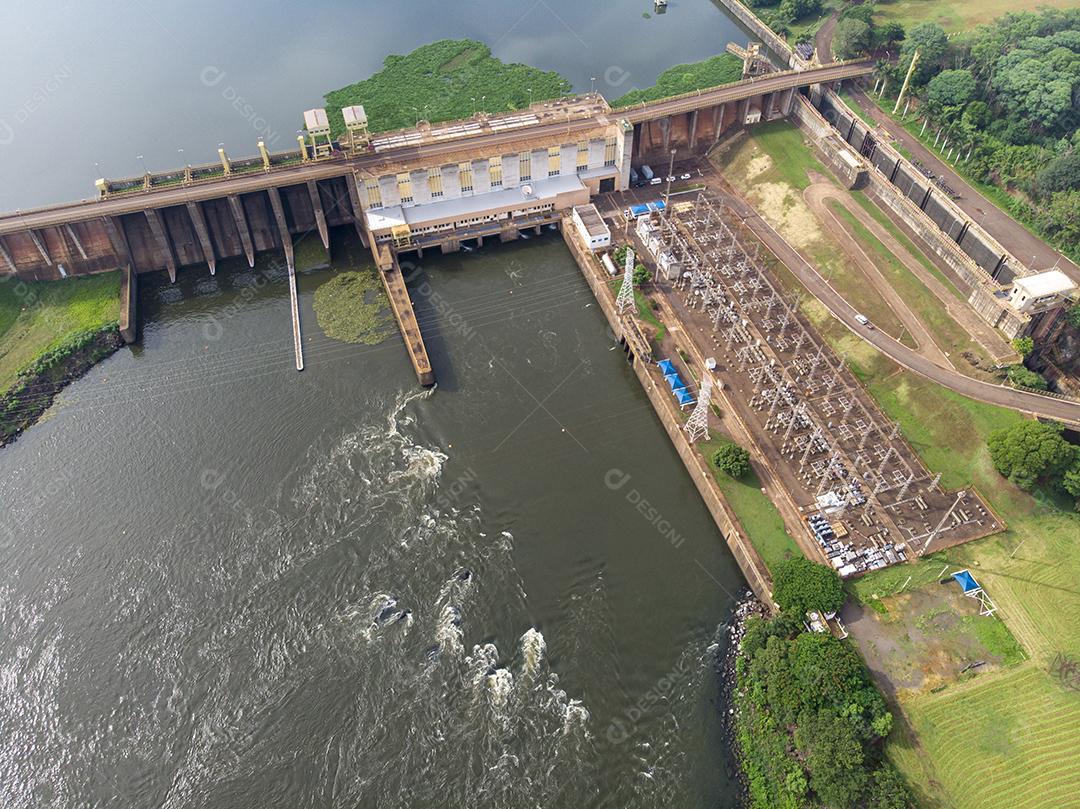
907, 81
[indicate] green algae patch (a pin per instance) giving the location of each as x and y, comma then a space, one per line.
443, 81
352, 307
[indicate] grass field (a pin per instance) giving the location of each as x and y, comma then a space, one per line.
36, 316
772, 168
759, 517
1032, 572
949, 335
958, 15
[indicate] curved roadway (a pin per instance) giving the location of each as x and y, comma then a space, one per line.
1033, 403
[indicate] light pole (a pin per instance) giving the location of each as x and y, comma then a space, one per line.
143, 162
667, 196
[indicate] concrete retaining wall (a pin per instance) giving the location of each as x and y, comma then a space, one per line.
763, 32
751, 564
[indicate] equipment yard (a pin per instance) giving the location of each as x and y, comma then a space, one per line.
863, 498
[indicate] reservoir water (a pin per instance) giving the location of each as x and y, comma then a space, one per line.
224, 583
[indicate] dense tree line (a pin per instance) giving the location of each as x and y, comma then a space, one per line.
811, 723
1007, 94
1033, 454
780, 14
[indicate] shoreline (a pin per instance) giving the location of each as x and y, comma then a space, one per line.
37, 387
746, 606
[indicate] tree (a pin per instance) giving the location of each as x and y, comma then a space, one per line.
1030, 451
851, 38
1023, 345
1073, 317
1061, 174
950, 88
1021, 377
792, 10
641, 275
1061, 218
1070, 481
889, 34
799, 586
835, 758
931, 43
887, 790
732, 459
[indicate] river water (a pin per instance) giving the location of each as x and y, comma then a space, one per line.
224, 583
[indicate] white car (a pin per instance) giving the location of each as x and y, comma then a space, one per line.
671, 179
655, 181
863, 320
685, 176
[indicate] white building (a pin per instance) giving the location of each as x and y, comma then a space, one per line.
1042, 291
590, 226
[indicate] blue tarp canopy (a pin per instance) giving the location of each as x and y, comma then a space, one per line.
967, 581
674, 381
667, 367
684, 396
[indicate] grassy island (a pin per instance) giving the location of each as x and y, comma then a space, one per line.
443, 81
51, 332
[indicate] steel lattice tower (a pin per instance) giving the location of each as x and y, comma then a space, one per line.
697, 426
625, 301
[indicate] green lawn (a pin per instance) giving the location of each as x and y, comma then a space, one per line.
791, 158
949, 335
958, 15
36, 316
1031, 571
756, 512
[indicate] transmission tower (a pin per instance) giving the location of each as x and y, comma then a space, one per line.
697, 426
625, 301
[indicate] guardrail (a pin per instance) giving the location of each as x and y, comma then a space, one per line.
742, 83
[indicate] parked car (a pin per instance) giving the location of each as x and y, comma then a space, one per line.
685, 176
656, 181
671, 178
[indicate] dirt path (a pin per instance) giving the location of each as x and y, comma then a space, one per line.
823, 38
815, 196
979, 330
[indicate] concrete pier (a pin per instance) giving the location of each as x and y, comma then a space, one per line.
401, 304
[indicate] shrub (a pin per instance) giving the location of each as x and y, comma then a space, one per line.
732, 459
800, 585
1031, 451
1024, 378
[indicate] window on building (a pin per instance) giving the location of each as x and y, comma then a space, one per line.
404, 187
525, 166
582, 155
374, 194
465, 177
495, 172
554, 161
434, 182
609, 152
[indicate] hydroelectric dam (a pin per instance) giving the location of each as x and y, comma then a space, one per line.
433, 185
